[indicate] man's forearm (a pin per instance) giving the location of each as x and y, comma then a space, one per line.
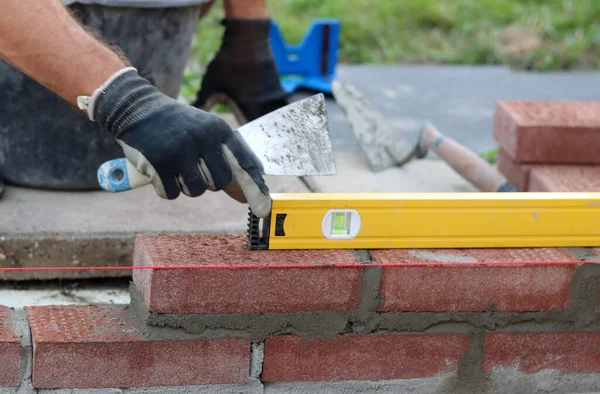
42, 40
246, 9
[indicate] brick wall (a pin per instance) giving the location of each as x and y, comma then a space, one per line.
455, 328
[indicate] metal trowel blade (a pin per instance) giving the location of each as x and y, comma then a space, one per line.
293, 140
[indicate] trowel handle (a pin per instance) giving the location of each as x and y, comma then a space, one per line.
465, 162
120, 175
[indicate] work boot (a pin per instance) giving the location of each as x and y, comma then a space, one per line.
243, 74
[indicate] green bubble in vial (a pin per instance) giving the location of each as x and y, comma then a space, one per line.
339, 223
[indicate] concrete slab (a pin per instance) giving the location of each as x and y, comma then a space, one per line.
81, 293
33, 211
459, 100
355, 176
41, 228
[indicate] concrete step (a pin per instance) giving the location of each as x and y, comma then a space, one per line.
42, 228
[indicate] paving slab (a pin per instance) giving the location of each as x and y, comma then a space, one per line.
99, 291
355, 176
32, 211
95, 228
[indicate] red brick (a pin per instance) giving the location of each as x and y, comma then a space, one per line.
517, 174
549, 131
565, 178
9, 351
102, 347
241, 290
476, 287
362, 357
538, 351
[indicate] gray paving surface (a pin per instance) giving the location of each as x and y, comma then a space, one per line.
355, 176
459, 100
33, 211
84, 293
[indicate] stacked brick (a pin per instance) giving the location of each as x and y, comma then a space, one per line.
9, 350
461, 324
549, 146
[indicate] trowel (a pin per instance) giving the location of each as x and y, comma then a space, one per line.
385, 148
291, 141
381, 144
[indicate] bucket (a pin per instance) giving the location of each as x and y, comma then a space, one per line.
44, 142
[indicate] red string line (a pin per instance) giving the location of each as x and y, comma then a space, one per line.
296, 266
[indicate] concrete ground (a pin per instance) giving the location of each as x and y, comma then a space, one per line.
100, 291
458, 100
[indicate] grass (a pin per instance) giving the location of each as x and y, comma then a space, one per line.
491, 156
527, 34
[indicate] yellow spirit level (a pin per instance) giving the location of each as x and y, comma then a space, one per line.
427, 220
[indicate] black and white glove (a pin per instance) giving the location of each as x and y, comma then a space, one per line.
244, 71
179, 147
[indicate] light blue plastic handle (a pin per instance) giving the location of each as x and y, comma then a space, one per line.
113, 176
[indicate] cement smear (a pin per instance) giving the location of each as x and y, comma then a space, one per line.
20, 325
437, 384
250, 387
257, 356
80, 391
442, 257
509, 380
255, 327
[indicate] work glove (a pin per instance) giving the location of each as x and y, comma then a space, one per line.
179, 147
243, 74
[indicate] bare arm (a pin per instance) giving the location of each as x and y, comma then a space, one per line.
247, 9
42, 40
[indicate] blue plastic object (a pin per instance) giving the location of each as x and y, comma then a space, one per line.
113, 176
311, 63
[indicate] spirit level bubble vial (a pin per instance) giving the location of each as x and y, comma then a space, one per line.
340, 224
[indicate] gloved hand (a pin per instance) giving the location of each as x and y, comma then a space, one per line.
179, 147
244, 71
